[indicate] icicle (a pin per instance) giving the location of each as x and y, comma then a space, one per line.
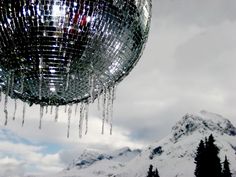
5, 110
108, 95
46, 109
111, 108
15, 108
91, 85
40, 77
81, 119
98, 104
76, 108
98, 97
65, 108
69, 118
23, 116
86, 117
56, 114
104, 109
108, 108
51, 110
6, 99
41, 116
110, 104
114, 92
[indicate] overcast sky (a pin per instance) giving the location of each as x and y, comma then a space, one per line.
189, 65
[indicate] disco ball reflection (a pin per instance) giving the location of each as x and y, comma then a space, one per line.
57, 52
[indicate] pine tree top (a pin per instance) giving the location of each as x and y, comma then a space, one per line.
226, 170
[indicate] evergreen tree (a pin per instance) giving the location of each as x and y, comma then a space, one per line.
156, 173
200, 160
207, 160
150, 172
226, 170
212, 161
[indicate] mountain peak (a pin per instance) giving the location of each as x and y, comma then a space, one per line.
88, 158
202, 123
176, 150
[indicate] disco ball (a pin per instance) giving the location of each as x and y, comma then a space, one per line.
57, 52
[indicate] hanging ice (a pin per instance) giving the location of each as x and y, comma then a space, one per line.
104, 109
108, 96
56, 114
5, 110
86, 117
98, 104
113, 94
76, 108
41, 116
69, 119
46, 109
81, 119
6, 99
51, 110
107, 105
23, 116
15, 108
65, 108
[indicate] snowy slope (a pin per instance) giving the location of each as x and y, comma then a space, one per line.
173, 155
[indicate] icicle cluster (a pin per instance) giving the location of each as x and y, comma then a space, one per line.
105, 100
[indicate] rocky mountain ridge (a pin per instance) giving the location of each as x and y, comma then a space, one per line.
173, 155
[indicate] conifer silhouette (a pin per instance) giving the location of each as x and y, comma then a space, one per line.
200, 160
156, 173
207, 160
226, 170
211, 158
150, 172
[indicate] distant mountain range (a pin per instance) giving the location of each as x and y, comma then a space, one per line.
173, 155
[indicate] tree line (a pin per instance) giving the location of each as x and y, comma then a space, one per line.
208, 163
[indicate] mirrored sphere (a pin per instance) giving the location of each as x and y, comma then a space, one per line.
55, 52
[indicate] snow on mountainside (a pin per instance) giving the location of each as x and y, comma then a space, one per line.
88, 158
173, 155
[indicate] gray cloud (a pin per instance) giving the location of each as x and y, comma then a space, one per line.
193, 12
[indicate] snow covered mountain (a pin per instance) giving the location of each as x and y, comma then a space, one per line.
173, 155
